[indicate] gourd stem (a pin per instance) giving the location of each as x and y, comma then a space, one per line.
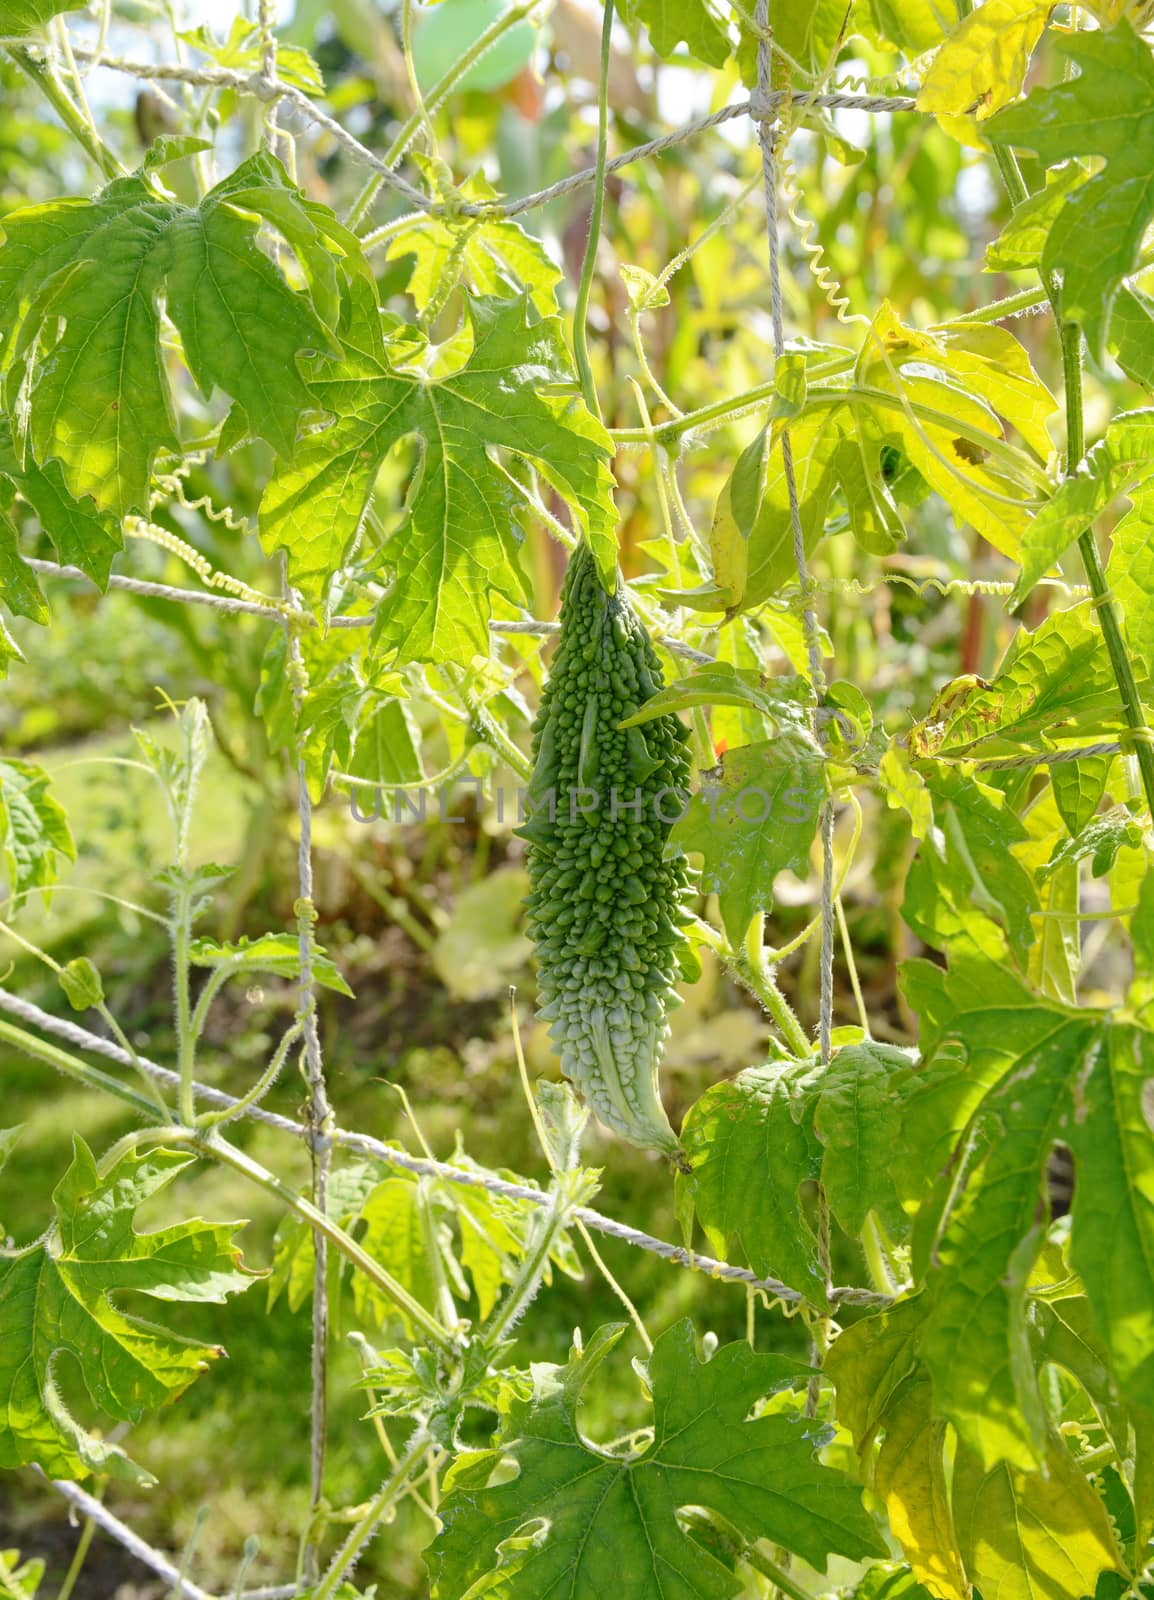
764, 985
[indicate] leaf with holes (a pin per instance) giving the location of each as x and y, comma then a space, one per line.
1030, 1073
577, 1517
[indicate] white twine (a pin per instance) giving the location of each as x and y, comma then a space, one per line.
365, 1144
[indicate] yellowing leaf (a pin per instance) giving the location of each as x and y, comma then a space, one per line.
910, 1476
982, 65
1031, 1535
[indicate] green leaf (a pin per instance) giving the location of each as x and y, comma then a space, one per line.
1033, 1074
577, 1517
28, 16
1021, 242
1108, 111
913, 25
1131, 337
1112, 1242
19, 587
751, 1145
242, 51
858, 1120
982, 65
458, 543
95, 395
1120, 460
1054, 685
965, 883
84, 537
350, 1184
81, 984
1130, 571
694, 21
1079, 787
56, 1298
758, 819
754, 1141
387, 748
494, 255
33, 828
278, 953
403, 1233
786, 701
19, 1580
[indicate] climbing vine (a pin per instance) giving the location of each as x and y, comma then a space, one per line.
346, 396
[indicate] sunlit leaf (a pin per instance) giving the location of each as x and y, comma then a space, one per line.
1120, 460
81, 283
1106, 110
459, 541
983, 63
751, 820
33, 828
57, 1298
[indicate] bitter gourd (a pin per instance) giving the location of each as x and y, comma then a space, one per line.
606, 908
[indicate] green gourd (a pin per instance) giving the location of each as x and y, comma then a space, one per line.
606, 907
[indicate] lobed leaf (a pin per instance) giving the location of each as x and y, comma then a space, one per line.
459, 540
81, 282
1107, 110
592, 1522
57, 1299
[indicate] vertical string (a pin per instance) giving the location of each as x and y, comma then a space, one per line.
767, 137
319, 1112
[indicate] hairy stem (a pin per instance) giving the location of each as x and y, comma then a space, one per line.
45, 79
589, 264
1070, 335
360, 1534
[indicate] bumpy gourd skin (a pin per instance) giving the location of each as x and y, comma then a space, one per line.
606, 908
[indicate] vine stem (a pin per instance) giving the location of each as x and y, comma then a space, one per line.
764, 985
362, 1532
589, 264
44, 77
1070, 337
443, 86
735, 1546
